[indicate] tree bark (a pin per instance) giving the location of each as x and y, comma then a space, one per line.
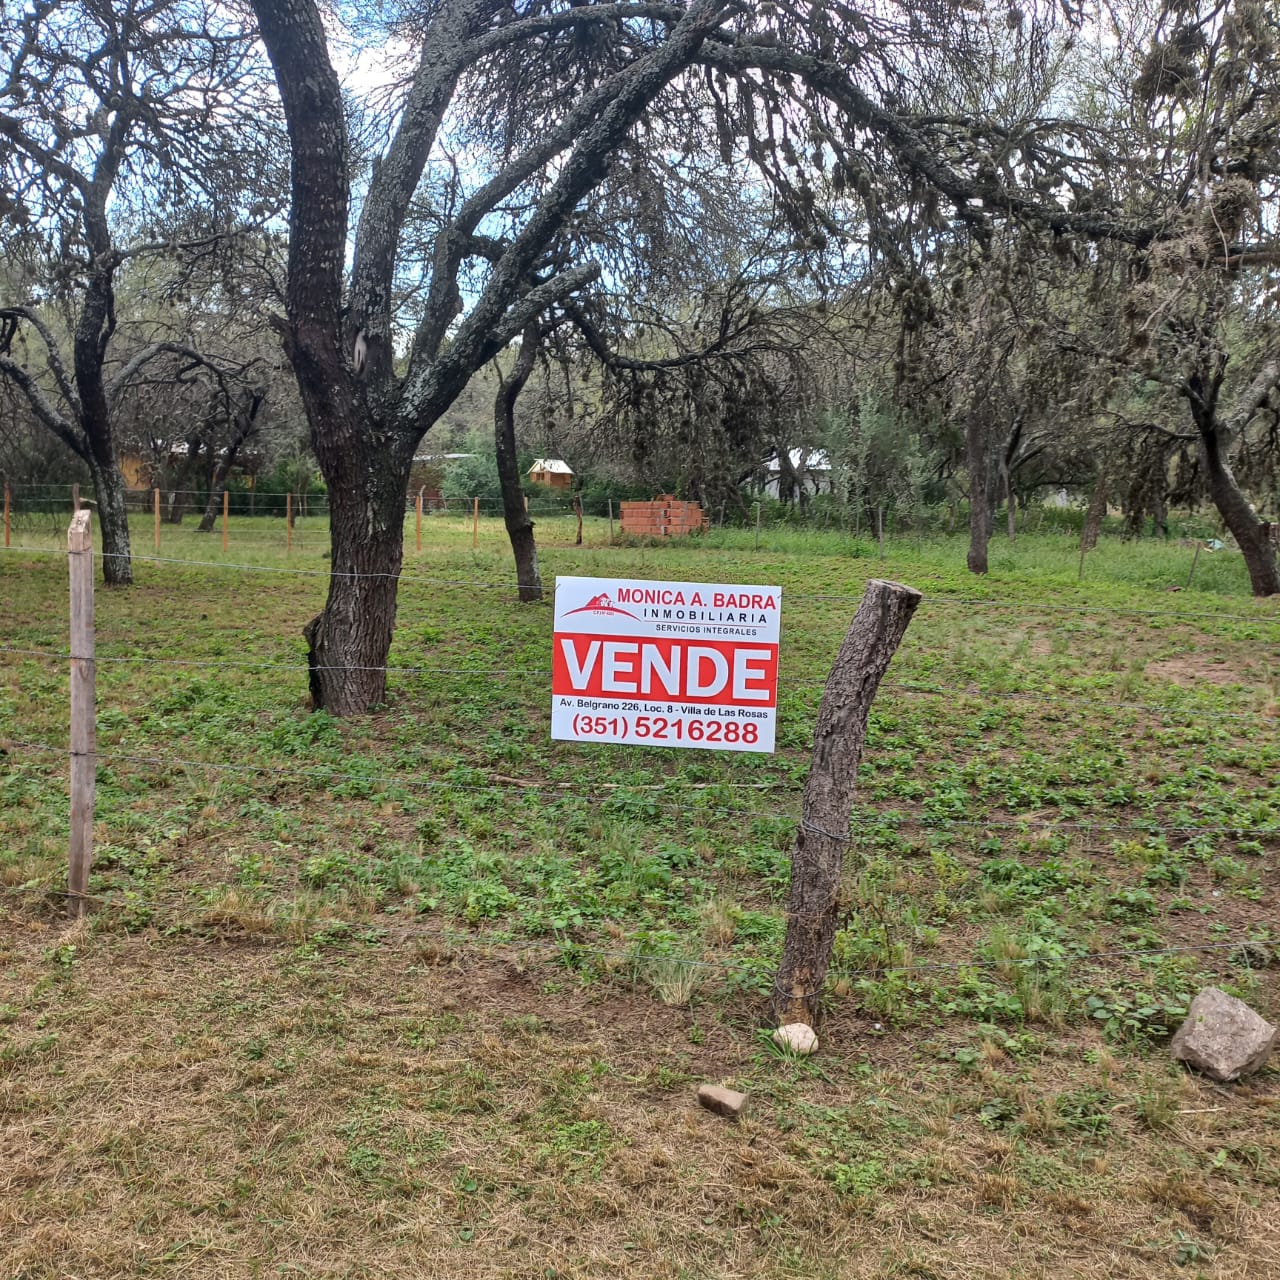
227, 460
113, 521
349, 641
812, 901
976, 457
1252, 534
516, 518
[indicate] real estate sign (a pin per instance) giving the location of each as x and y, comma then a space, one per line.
665, 664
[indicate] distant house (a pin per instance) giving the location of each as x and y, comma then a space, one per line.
555, 473
812, 469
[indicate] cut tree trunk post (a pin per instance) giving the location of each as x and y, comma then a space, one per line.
83, 730
816, 865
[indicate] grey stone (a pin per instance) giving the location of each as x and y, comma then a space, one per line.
1222, 1037
724, 1102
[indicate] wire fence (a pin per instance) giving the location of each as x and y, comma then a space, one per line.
1165, 711
1267, 613
673, 795
184, 913
687, 802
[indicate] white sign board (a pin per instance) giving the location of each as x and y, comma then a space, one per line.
665, 664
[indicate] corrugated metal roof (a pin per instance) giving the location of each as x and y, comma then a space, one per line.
553, 466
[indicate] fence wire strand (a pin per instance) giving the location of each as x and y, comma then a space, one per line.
975, 602
180, 912
562, 792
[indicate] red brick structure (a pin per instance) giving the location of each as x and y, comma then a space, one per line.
664, 517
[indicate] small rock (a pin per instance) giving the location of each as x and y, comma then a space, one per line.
724, 1102
797, 1038
1222, 1037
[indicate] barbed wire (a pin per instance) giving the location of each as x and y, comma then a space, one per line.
301, 666
571, 947
548, 589
560, 792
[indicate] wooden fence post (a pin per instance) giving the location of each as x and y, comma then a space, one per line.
1195, 560
577, 509
155, 507
813, 899
226, 507
6, 513
418, 505
475, 523
288, 523
757, 526
611, 521
83, 730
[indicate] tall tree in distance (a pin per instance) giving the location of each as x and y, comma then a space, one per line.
120, 141
508, 120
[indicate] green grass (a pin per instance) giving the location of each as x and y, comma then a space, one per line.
1068, 787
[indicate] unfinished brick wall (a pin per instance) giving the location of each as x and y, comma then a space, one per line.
664, 517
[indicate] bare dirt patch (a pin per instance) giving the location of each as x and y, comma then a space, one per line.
1189, 670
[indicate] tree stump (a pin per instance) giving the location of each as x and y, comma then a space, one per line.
816, 865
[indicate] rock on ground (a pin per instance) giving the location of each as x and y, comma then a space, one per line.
1223, 1037
797, 1037
724, 1102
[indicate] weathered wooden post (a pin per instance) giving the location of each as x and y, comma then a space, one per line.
610, 521
1195, 560
155, 508
475, 523
7, 503
816, 864
577, 510
83, 729
418, 508
226, 508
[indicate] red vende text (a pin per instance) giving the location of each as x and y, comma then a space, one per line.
665, 670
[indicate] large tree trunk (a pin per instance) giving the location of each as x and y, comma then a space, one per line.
113, 522
519, 526
1252, 534
976, 456
350, 639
